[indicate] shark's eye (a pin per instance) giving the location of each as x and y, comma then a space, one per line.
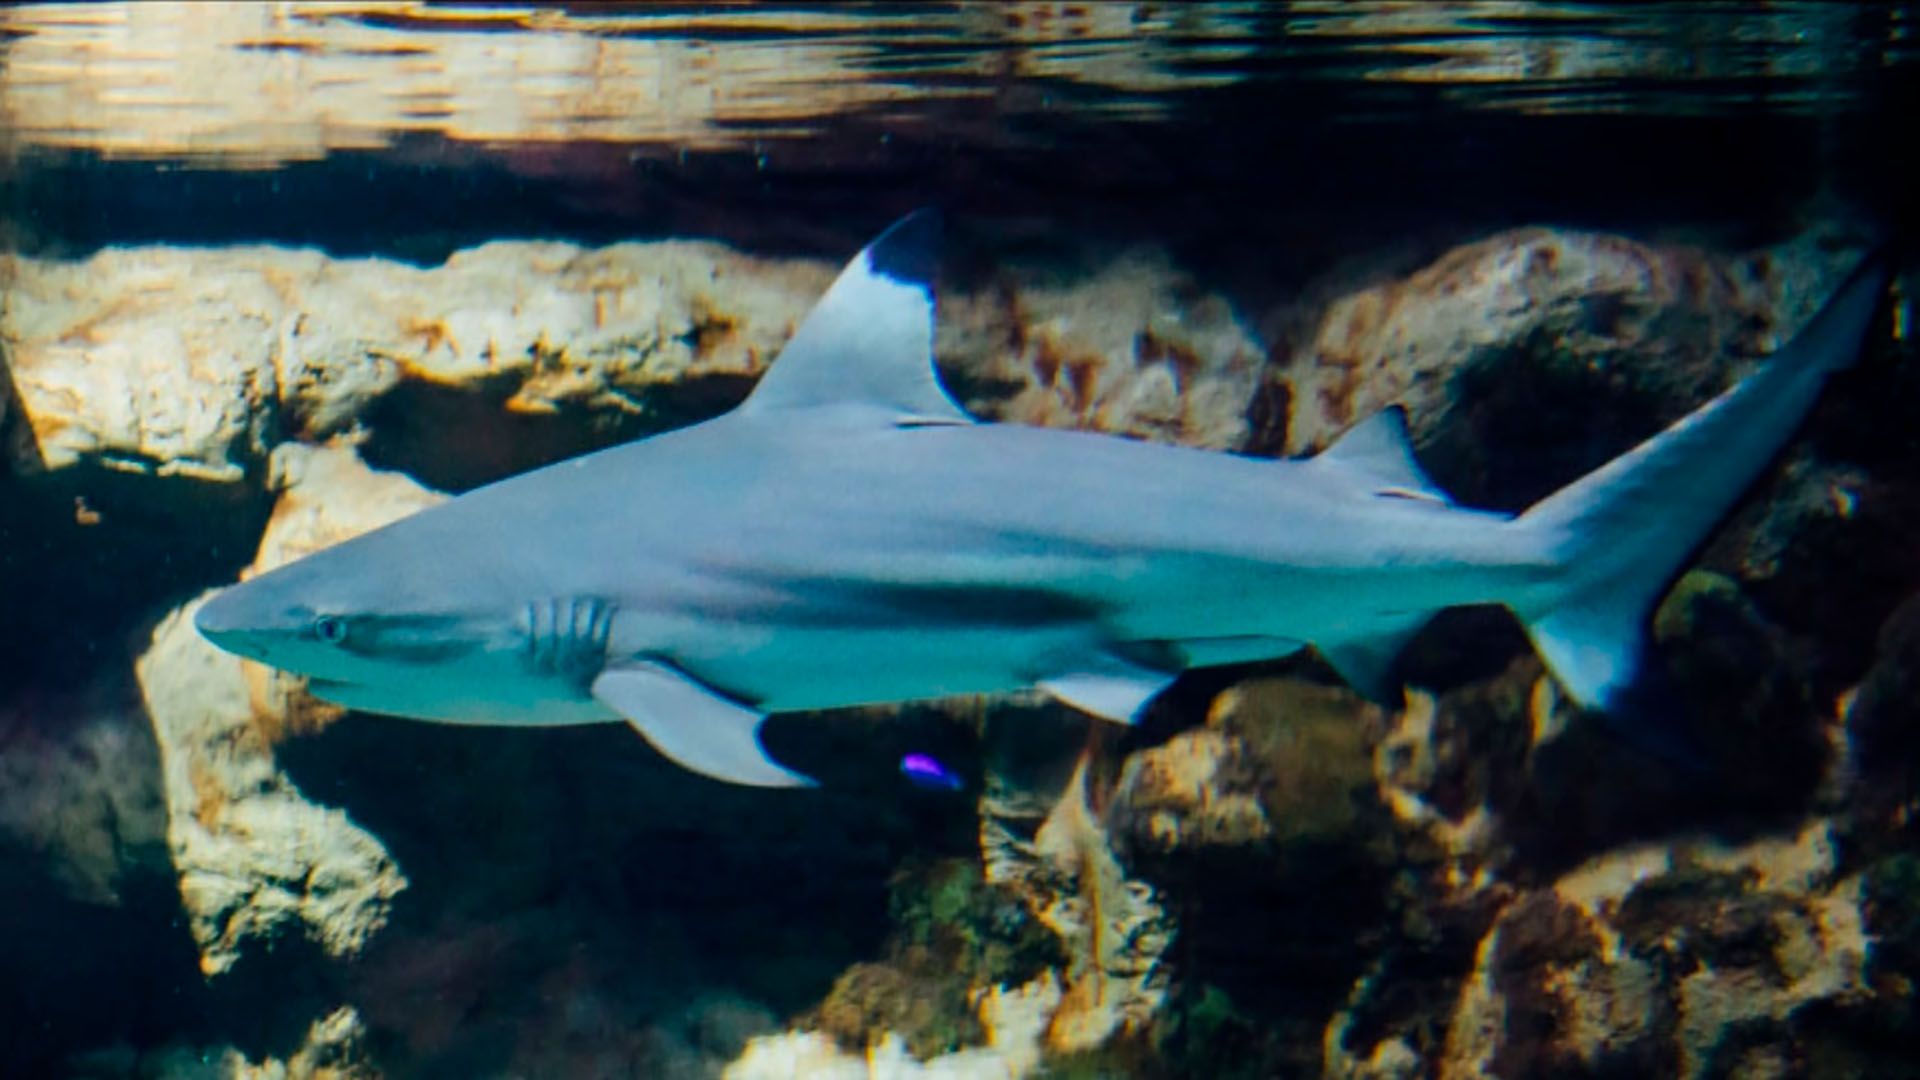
331, 629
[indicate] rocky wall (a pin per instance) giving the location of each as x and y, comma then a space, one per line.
1269, 875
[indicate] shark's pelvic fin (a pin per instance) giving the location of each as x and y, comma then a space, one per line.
1378, 450
1623, 531
1106, 686
1366, 663
1209, 652
692, 724
866, 349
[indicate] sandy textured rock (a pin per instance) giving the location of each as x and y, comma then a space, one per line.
152, 360
1278, 761
1536, 331
256, 859
1132, 346
334, 1048
255, 856
189, 362
1016, 1021
1682, 958
194, 363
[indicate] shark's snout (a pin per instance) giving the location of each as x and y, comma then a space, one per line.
218, 617
230, 622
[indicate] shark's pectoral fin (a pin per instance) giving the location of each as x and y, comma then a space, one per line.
692, 724
1106, 686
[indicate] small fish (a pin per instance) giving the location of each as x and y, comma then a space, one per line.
926, 771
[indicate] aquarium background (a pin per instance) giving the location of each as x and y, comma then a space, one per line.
276, 273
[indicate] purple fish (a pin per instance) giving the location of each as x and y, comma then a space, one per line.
926, 771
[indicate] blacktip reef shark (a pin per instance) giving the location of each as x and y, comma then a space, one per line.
849, 535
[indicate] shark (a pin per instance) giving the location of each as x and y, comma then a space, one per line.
850, 535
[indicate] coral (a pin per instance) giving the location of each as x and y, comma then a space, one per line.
1015, 1022
1279, 761
947, 917
1882, 717
1114, 931
1176, 795
952, 934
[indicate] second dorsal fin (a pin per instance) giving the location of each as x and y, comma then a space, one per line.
1378, 448
867, 346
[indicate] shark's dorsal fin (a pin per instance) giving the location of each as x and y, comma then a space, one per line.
1378, 447
867, 347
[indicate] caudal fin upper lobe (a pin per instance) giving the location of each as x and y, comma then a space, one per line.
1621, 533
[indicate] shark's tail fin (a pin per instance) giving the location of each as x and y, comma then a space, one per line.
1621, 533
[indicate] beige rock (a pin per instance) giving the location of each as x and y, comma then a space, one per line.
1135, 348
193, 362
328, 495
255, 857
147, 360
1015, 1019
334, 1049
1663, 951
253, 854
1672, 320
1180, 793
175, 361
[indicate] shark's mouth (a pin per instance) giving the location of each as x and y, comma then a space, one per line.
328, 689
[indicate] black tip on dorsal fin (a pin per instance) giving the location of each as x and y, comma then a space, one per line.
909, 251
866, 348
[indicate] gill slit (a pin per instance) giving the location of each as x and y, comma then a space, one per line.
567, 635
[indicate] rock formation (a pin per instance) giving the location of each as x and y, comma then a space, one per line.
1477, 881
256, 858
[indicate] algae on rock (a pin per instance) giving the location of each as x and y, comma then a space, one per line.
1115, 932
